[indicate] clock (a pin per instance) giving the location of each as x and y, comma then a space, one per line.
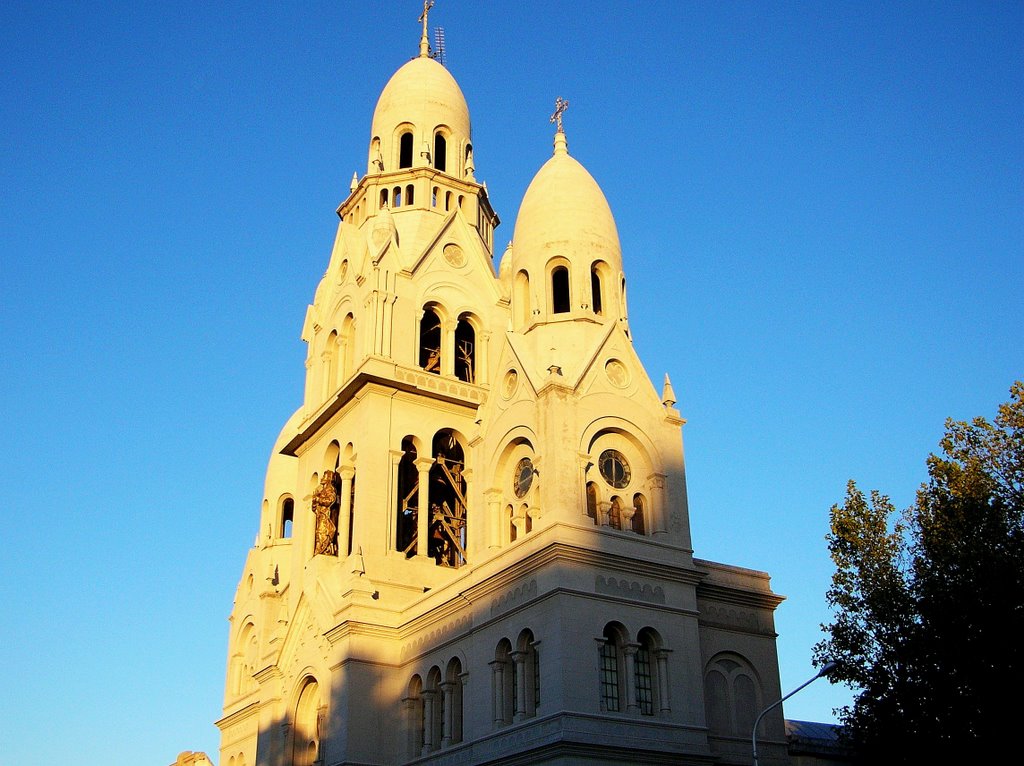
614, 468
523, 477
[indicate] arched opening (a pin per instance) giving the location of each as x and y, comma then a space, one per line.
504, 685
639, 514
644, 675
527, 676
405, 151
433, 712
440, 151
560, 290
465, 351
447, 201
396, 196
414, 717
430, 341
306, 739
433, 197
383, 198
347, 347
513, 533
610, 659
447, 529
522, 298
287, 518
408, 500
325, 510
733, 696
409, 195
592, 501
615, 513
452, 690
595, 290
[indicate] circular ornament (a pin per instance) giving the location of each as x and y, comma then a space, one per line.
614, 468
453, 254
509, 384
617, 373
523, 477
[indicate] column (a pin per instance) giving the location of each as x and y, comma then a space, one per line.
423, 465
519, 658
603, 507
448, 348
448, 724
497, 691
657, 522
661, 658
429, 700
629, 660
493, 503
346, 535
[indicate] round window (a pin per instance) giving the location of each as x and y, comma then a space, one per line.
614, 468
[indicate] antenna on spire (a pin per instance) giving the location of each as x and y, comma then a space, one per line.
438, 53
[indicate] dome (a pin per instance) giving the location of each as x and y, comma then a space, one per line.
423, 98
565, 213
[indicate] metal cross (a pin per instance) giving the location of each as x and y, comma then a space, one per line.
427, 5
560, 106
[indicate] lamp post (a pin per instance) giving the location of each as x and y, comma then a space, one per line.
825, 670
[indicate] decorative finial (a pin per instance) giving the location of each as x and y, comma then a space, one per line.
560, 106
424, 43
668, 396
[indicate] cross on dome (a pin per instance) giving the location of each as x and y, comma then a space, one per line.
561, 105
424, 43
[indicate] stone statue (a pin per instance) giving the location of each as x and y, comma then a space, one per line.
323, 508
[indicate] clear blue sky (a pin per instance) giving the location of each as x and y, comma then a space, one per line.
821, 209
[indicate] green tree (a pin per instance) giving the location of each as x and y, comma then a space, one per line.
928, 605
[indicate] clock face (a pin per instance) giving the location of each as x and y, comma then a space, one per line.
614, 468
523, 477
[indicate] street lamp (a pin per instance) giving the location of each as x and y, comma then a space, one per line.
825, 670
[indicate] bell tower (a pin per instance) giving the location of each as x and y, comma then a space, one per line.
474, 541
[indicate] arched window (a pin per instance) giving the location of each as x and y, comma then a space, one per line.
645, 672
433, 197
526, 673
405, 151
396, 196
615, 513
433, 711
306, 737
440, 151
347, 347
560, 290
503, 683
408, 500
595, 290
447, 530
447, 201
592, 501
430, 341
452, 706
383, 198
732, 695
465, 351
414, 717
513, 533
639, 514
611, 658
409, 194
287, 517
522, 298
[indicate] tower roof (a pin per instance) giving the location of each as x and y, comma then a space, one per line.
422, 93
564, 212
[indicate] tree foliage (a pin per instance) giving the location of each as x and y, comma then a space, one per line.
929, 604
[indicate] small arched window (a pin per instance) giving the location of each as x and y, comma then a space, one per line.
560, 290
503, 681
396, 196
592, 501
405, 150
430, 341
383, 198
611, 671
465, 351
639, 513
615, 513
287, 517
595, 290
527, 663
452, 704
433, 197
409, 195
522, 298
447, 201
440, 151
414, 717
408, 500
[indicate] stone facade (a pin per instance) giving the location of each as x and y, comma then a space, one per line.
474, 544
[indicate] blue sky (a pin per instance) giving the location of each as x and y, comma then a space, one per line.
821, 208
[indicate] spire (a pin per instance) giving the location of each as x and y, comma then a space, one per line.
668, 396
561, 146
424, 42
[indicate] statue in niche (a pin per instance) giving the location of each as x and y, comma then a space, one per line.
325, 501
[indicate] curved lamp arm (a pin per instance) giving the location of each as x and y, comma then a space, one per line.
825, 670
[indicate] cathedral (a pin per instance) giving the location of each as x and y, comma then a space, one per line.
474, 542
